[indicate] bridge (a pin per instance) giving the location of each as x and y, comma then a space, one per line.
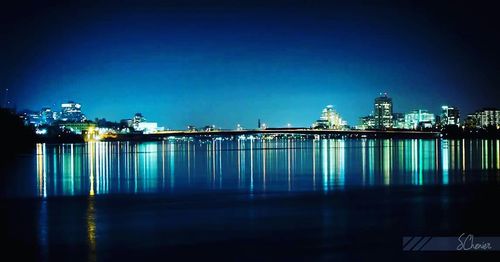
283, 132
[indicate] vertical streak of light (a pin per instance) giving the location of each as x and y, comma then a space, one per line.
194, 157
289, 167
463, 156
239, 163
491, 150
220, 162
445, 161
420, 162
472, 156
341, 156
324, 158
482, 155
127, 164
163, 164
172, 166
436, 156
107, 166
91, 167
314, 164
243, 163
251, 166
144, 156
118, 153
498, 154
363, 161
371, 161
332, 164
64, 170
213, 162
386, 147
91, 229
72, 172
264, 164
414, 161
451, 149
55, 167
189, 162
136, 167
39, 166
402, 159
98, 167
44, 174
486, 157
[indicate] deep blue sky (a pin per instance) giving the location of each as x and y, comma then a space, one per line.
223, 63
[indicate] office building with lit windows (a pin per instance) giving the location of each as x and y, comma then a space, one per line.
450, 115
366, 122
71, 112
484, 118
419, 118
382, 113
398, 120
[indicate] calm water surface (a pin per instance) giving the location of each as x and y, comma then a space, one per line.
245, 199
99, 168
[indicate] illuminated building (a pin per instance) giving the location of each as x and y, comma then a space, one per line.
419, 118
366, 122
470, 121
383, 112
484, 118
329, 119
450, 115
77, 127
147, 127
46, 116
31, 118
398, 120
71, 112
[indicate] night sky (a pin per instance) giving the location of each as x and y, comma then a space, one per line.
229, 62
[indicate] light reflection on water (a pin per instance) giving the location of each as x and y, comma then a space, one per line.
97, 168
100, 168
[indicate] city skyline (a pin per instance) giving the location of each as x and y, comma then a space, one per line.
383, 117
216, 62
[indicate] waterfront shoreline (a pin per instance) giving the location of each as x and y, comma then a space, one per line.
270, 134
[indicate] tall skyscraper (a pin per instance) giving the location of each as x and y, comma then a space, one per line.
383, 112
450, 115
71, 112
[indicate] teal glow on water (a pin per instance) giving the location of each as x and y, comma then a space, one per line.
278, 165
